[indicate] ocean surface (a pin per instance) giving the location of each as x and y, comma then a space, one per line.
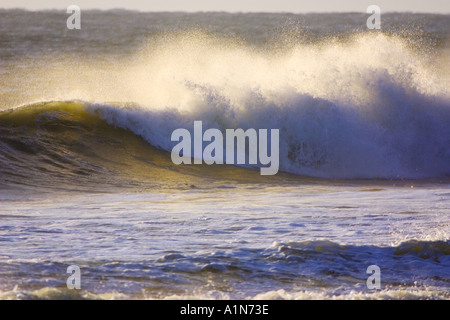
86, 176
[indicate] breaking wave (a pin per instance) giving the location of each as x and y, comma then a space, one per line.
344, 110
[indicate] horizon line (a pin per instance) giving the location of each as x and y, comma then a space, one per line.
223, 11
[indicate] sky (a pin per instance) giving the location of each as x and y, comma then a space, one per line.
296, 6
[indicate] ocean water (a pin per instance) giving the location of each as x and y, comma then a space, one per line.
86, 176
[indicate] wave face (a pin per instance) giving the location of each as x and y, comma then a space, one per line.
67, 145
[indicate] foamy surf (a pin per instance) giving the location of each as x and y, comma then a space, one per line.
393, 294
